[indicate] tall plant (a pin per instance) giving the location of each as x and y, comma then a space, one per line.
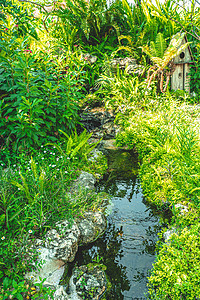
177, 16
36, 99
91, 20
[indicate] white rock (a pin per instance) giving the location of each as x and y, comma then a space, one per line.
167, 234
49, 269
182, 208
63, 242
60, 294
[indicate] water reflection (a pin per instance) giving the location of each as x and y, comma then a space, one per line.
128, 246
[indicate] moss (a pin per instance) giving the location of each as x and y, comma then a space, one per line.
65, 278
108, 288
91, 266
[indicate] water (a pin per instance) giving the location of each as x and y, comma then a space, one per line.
128, 246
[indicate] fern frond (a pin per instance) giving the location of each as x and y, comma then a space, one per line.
86, 28
160, 45
153, 51
146, 11
128, 49
34, 168
69, 146
79, 146
147, 50
126, 37
41, 181
130, 18
56, 146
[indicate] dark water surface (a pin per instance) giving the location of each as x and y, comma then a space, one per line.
128, 246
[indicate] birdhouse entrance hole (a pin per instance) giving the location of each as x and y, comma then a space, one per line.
182, 55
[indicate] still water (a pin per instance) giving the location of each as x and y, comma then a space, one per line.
128, 246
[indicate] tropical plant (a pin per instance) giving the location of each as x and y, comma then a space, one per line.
8, 209
75, 146
177, 16
38, 186
36, 99
142, 26
90, 20
15, 289
162, 58
18, 19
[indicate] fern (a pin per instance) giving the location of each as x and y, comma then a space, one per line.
153, 51
160, 45
34, 168
130, 17
24, 188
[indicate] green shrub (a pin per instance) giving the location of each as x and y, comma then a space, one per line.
37, 98
20, 290
176, 271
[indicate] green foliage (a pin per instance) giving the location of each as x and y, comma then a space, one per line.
75, 146
165, 134
176, 271
195, 72
158, 48
91, 21
174, 17
36, 99
43, 79
33, 197
160, 55
12, 289
165, 137
143, 23
122, 92
17, 19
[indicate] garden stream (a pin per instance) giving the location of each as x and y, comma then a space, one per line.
128, 246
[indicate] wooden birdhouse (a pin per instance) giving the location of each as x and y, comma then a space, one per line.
182, 62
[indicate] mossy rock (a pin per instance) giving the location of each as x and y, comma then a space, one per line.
90, 281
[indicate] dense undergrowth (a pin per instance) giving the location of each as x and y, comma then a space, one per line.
165, 132
45, 81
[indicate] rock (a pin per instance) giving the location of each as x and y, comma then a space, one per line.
63, 241
123, 62
91, 226
181, 208
97, 134
90, 281
89, 58
108, 144
100, 122
128, 64
85, 180
60, 294
135, 70
51, 269
109, 130
168, 234
61, 245
95, 154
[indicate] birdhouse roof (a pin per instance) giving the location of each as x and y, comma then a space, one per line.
177, 41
